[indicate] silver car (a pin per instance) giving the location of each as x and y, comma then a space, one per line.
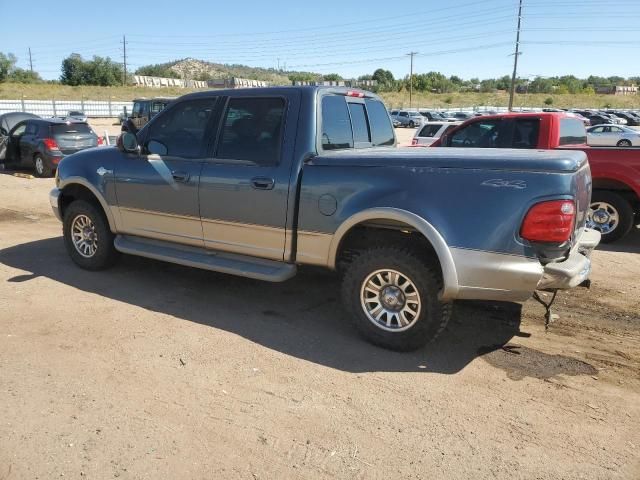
613, 136
408, 118
431, 132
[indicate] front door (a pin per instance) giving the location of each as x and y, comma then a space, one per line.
157, 191
244, 188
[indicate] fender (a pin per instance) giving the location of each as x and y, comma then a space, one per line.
96, 193
449, 274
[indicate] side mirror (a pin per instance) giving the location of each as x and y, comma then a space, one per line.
127, 142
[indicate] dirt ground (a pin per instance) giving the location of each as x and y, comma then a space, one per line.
151, 370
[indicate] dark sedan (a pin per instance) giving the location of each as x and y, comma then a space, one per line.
41, 143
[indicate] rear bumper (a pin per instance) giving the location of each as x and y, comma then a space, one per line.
575, 269
54, 196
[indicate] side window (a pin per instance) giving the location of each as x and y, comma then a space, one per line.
359, 123
597, 130
336, 126
252, 130
572, 132
31, 129
394, 112
180, 131
404, 114
429, 130
19, 130
616, 129
482, 134
525, 133
381, 128
136, 110
144, 109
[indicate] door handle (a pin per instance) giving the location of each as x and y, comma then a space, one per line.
180, 176
262, 183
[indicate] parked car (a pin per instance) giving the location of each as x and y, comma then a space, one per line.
631, 119
615, 205
433, 116
613, 135
614, 119
144, 109
42, 143
408, 118
7, 122
76, 116
395, 123
255, 182
460, 116
598, 119
430, 132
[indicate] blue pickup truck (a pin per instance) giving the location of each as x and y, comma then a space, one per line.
255, 182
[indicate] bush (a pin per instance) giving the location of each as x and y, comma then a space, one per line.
448, 100
548, 101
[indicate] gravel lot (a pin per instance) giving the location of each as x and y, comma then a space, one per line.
151, 371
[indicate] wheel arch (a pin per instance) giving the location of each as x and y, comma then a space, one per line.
80, 189
400, 217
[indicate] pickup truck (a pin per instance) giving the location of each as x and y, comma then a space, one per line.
255, 182
615, 205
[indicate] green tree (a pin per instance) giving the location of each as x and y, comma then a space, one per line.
332, 77
98, 71
20, 75
7, 64
548, 101
157, 70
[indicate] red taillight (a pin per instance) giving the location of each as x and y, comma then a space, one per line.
414, 141
549, 222
352, 93
50, 143
100, 141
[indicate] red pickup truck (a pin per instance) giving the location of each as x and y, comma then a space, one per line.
615, 204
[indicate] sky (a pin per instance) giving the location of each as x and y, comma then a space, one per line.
468, 38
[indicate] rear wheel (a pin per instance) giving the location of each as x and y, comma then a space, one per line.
41, 167
87, 237
391, 295
412, 124
610, 214
624, 143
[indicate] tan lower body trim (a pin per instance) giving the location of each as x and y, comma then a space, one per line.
313, 248
246, 239
161, 226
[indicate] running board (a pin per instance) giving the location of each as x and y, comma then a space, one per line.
234, 264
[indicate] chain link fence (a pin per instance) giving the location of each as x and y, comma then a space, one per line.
55, 108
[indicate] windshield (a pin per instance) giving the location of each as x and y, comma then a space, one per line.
413, 114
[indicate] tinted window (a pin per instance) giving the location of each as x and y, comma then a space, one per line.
76, 113
404, 114
157, 107
429, 130
450, 127
336, 126
381, 129
137, 109
359, 123
252, 130
31, 129
70, 128
482, 134
572, 132
525, 133
180, 131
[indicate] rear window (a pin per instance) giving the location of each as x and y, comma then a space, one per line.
572, 132
359, 123
429, 130
70, 128
525, 133
381, 129
336, 126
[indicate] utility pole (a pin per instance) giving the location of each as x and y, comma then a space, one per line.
124, 60
278, 64
30, 61
411, 54
515, 60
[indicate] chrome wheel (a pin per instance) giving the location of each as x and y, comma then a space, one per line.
84, 236
603, 217
390, 300
39, 163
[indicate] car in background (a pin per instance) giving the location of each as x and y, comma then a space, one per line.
460, 116
76, 116
431, 132
408, 118
7, 122
614, 119
631, 119
42, 143
598, 119
433, 116
395, 123
613, 135
144, 109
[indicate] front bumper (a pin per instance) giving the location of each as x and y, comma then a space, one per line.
54, 196
575, 269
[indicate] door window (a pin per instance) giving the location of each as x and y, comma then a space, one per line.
482, 134
597, 130
252, 130
181, 130
525, 133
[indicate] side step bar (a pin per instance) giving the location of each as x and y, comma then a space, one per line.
234, 264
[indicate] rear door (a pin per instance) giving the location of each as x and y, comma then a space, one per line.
27, 141
73, 137
245, 186
157, 191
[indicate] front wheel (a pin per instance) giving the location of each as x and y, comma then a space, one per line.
611, 215
391, 295
87, 237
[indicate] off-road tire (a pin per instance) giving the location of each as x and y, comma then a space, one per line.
625, 214
106, 254
433, 316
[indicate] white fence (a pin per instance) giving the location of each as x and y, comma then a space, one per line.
52, 108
